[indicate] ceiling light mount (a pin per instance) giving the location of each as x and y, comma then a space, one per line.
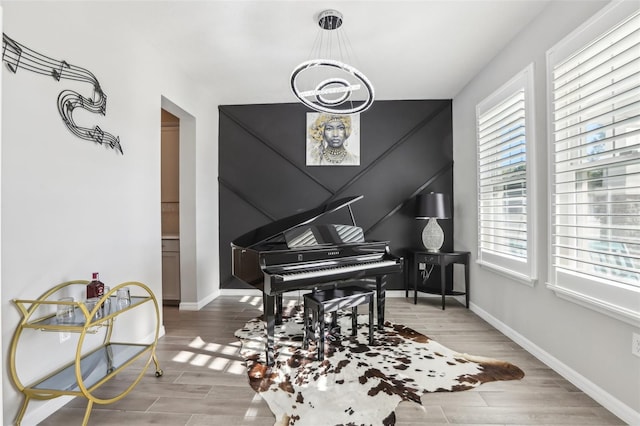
331, 85
330, 19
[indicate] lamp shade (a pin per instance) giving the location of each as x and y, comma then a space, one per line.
433, 205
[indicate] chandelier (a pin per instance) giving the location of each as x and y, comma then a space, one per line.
330, 85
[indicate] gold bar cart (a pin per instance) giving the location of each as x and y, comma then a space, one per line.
93, 367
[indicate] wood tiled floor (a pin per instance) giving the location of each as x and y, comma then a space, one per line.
204, 381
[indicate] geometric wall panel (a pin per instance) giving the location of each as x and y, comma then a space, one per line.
406, 147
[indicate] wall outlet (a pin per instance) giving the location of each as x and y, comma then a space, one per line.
635, 344
65, 335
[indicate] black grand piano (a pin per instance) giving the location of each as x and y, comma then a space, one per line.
295, 254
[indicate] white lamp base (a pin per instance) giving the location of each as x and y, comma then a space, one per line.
432, 236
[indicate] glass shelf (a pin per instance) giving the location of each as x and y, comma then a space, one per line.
51, 323
94, 366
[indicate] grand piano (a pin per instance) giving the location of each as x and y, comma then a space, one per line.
299, 253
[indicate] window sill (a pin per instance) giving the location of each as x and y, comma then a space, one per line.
621, 303
519, 277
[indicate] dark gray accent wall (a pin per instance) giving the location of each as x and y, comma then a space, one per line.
406, 147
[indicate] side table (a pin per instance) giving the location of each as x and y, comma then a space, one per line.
419, 259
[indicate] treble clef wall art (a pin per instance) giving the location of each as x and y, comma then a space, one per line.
17, 56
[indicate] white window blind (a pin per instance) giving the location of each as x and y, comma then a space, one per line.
503, 184
595, 137
596, 110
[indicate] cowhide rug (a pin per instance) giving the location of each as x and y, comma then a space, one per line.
357, 384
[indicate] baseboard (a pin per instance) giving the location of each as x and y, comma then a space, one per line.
190, 306
249, 292
608, 401
241, 292
37, 411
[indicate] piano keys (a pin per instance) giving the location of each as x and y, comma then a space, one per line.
294, 254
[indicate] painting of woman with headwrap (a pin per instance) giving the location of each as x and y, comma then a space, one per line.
333, 140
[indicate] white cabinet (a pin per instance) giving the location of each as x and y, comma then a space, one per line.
170, 165
171, 271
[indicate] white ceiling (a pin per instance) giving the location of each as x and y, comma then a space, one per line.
408, 49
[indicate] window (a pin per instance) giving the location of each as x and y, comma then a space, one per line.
505, 156
594, 89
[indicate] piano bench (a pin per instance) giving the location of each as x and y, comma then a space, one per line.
321, 302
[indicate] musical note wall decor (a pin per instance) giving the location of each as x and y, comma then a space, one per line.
17, 56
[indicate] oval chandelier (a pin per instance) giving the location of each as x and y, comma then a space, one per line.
331, 85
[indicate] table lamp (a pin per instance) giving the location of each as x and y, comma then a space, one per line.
433, 206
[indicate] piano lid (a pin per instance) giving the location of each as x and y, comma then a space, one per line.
264, 233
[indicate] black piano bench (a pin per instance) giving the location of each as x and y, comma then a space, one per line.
321, 302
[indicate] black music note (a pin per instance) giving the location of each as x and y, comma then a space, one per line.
12, 62
103, 103
57, 74
68, 108
116, 145
97, 134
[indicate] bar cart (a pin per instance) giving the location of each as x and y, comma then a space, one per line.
91, 367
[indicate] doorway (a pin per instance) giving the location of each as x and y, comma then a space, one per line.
170, 207
187, 237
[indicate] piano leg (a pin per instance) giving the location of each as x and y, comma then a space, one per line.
278, 308
381, 284
269, 318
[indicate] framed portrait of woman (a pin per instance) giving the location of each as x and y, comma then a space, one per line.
333, 140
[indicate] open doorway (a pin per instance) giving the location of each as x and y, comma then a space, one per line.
186, 214
170, 207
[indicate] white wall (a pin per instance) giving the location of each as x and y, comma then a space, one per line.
1, 356
71, 207
591, 349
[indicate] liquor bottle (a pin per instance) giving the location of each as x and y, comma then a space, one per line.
95, 288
